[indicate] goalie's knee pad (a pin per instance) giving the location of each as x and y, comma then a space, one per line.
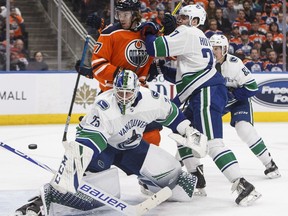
160, 167
75, 161
182, 191
107, 180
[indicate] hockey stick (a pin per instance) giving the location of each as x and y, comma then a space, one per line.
86, 45
98, 194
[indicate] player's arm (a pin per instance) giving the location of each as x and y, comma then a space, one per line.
248, 86
183, 133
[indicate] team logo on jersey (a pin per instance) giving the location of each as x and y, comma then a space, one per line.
131, 142
136, 53
273, 93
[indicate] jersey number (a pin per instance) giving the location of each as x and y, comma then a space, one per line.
95, 121
207, 53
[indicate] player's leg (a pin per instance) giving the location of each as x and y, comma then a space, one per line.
141, 161
208, 119
242, 120
193, 165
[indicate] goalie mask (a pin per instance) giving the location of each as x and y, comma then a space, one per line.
221, 41
194, 11
126, 88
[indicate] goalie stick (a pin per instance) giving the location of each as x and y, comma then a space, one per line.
96, 193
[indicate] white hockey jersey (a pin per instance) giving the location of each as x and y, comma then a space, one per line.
237, 75
195, 59
105, 124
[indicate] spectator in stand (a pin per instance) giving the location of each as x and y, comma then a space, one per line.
255, 34
2, 29
37, 64
280, 22
270, 44
152, 10
235, 35
17, 25
277, 35
203, 3
268, 17
221, 4
276, 6
230, 13
241, 21
94, 25
257, 5
273, 64
17, 63
238, 5
263, 27
243, 49
212, 28
223, 24
12, 5
249, 13
23, 53
211, 10
254, 63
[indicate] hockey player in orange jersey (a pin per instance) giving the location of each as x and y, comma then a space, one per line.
120, 46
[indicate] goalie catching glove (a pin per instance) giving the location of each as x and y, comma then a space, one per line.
192, 139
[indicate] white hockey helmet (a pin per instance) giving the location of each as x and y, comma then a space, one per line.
193, 11
220, 40
126, 87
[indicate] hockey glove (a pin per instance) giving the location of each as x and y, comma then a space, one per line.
94, 21
169, 24
148, 28
193, 139
84, 70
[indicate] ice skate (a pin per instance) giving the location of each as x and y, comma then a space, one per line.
272, 170
33, 208
201, 183
246, 192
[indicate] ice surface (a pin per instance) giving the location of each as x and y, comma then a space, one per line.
20, 179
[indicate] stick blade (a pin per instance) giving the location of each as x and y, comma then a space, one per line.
153, 201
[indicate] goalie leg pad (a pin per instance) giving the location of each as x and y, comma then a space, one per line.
74, 163
167, 170
107, 180
184, 189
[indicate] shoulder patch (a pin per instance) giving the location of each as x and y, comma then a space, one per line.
155, 94
233, 59
103, 104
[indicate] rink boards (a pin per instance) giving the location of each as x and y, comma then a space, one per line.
40, 98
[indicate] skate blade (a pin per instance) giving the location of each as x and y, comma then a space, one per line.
200, 192
250, 199
274, 174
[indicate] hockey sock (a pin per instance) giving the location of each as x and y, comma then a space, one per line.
248, 134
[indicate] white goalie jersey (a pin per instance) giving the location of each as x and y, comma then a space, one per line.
105, 124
